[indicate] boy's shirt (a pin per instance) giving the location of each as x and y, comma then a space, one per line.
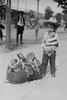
49, 42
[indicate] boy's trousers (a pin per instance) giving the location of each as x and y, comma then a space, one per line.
51, 59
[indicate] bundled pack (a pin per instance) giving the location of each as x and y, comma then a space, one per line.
22, 69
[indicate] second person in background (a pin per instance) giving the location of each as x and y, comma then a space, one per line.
20, 28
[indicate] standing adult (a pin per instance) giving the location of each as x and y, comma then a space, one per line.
20, 28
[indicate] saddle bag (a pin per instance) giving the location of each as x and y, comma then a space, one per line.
36, 65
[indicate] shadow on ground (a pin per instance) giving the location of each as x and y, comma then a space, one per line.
32, 42
26, 44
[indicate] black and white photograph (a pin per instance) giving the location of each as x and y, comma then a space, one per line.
33, 49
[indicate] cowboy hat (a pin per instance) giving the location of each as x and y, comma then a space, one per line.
52, 21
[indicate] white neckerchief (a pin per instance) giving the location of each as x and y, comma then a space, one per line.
20, 22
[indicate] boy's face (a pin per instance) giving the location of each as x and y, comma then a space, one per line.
50, 28
52, 34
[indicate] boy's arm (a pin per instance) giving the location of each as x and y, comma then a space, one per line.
45, 37
52, 44
53, 41
44, 40
55, 38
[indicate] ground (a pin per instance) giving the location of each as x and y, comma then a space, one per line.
48, 88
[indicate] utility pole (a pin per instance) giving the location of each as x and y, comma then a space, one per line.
25, 5
18, 5
8, 24
37, 21
37, 6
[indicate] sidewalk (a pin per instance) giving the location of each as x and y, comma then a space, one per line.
48, 88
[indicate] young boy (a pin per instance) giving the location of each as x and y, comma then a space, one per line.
49, 46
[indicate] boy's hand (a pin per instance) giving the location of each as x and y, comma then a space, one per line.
57, 45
